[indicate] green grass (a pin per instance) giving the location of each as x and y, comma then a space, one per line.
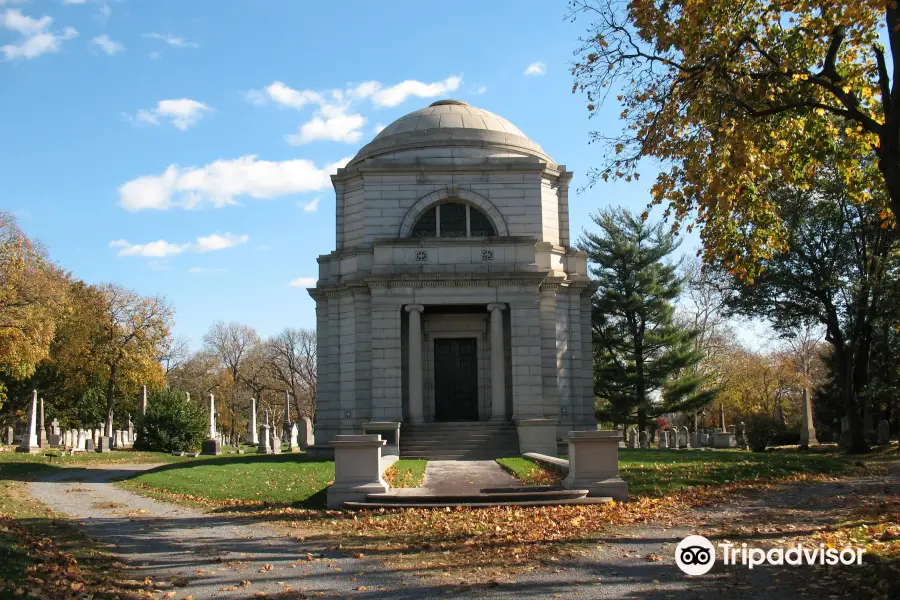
660, 472
527, 471
406, 473
86, 459
284, 479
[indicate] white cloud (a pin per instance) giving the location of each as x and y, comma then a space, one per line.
206, 270
536, 68
220, 182
211, 243
286, 96
379, 127
157, 249
74, 1
164, 249
107, 45
337, 128
303, 282
398, 94
183, 113
481, 89
172, 40
312, 205
36, 37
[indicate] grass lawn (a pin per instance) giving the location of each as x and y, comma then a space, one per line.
87, 459
239, 480
406, 473
656, 473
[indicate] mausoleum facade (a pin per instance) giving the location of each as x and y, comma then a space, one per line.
454, 293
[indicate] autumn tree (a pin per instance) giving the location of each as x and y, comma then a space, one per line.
132, 329
644, 361
738, 99
32, 300
834, 271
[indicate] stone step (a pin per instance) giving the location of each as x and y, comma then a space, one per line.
489, 496
523, 504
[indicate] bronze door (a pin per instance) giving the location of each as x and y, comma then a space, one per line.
455, 380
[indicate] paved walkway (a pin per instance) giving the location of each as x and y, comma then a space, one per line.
456, 477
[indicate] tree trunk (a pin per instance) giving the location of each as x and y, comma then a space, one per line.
857, 444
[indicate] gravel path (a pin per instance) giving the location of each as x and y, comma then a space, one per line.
208, 555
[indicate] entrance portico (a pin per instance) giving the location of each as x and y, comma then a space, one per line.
453, 294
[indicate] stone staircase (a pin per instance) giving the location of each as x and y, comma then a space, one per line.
518, 496
470, 440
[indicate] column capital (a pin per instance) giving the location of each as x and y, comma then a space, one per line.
496, 306
414, 307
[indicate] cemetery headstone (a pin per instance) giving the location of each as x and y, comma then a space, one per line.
286, 427
663, 440
845, 431
632, 438
252, 430
306, 438
42, 427
30, 439
212, 445
807, 429
275, 442
884, 432
294, 446
645, 440
9, 436
105, 444
684, 440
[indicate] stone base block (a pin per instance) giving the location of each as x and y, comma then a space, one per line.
105, 444
725, 440
613, 487
537, 435
338, 494
211, 447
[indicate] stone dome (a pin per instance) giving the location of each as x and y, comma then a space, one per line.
474, 132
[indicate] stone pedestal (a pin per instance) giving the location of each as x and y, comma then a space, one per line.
211, 447
537, 435
265, 443
594, 464
105, 444
390, 433
725, 440
357, 469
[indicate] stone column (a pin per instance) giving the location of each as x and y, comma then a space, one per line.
30, 439
212, 417
722, 417
416, 409
143, 404
807, 428
498, 368
252, 431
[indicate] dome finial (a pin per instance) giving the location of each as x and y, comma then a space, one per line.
448, 102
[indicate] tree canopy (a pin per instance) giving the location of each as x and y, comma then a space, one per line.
734, 100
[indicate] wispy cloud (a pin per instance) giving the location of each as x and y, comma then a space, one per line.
172, 40
183, 113
164, 249
207, 270
303, 282
107, 45
312, 205
536, 68
220, 182
36, 37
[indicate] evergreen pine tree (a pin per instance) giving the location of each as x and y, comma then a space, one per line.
643, 360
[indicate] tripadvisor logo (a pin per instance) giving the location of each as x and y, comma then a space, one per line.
695, 555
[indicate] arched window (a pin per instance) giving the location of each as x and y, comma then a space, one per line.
453, 219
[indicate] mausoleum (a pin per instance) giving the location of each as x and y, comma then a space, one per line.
454, 300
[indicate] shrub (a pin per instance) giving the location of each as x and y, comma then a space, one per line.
762, 430
662, 423
172, 424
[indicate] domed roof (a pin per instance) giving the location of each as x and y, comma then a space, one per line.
449, 114
451, 123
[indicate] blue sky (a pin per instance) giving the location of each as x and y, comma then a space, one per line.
182, 147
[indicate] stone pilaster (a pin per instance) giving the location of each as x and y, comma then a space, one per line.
498, 365
416, 408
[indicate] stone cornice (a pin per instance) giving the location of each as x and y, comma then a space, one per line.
419, 167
